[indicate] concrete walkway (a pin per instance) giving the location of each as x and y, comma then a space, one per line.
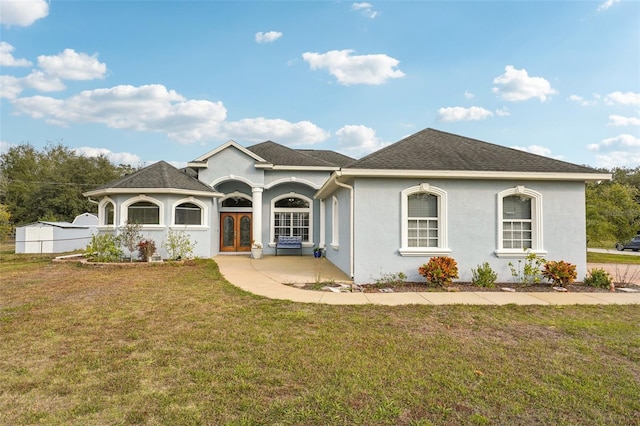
268, 277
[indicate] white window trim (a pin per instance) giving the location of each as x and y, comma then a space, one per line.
124, 211
443, 237
274, 210
101, 213
203, 213
235, 194
537, 246
335, 223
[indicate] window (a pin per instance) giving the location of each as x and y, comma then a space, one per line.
516, 222
144, 212
519, 222
188, 214
291, 217
335, 223
107, 210
424, 221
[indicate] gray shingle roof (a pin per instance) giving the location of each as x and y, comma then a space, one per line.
281, 155
432, 149
332, 157
158, 175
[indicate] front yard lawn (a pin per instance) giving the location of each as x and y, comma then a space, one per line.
177, 344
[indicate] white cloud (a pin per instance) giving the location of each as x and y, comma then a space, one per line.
281, 131
7, 59
150, 108
516, 85
114, 157
5, 146
620, 151
22, 12
618, 120
628, 98
358, 140
268, 37
473, 113
538, 150
42, 82
10, 87
69, 65
468, 94
362, 69
582, 101
154, 108
607, 4
365, 8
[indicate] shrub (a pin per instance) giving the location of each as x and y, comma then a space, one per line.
104, 248
146, 249
529, 273
560, 272
440, 270
598, 277
178, 245
484, 276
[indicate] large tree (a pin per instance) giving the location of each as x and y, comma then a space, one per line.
48, 184
613, 212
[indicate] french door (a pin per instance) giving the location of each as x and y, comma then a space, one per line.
235, 231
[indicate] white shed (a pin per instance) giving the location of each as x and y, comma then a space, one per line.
56, 237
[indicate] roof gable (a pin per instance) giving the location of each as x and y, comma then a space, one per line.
160, 175
432, 149
281, 155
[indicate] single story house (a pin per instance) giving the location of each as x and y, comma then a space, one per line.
430, 194
56, 237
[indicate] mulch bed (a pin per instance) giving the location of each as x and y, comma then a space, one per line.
468, 287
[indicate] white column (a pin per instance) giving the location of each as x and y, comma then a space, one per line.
323, 222
257, 214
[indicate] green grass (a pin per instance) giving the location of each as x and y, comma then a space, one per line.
171, 344
593, 257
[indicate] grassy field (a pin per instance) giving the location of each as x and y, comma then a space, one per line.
612, 258
177, 344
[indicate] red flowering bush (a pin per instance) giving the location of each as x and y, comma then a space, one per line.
440, 270
561, 272
146, 249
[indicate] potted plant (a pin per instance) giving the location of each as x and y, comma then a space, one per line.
317, 252
256, 250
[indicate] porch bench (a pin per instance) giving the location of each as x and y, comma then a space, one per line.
289, 243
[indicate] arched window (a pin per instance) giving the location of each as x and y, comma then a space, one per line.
106, 212
188, 214
424, 221
291, 215
144, 213
519, 222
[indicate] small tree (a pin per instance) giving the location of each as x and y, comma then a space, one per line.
130, 237
178, 245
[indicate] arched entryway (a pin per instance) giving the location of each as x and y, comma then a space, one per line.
236, 224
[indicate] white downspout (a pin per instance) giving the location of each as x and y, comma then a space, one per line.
351, 222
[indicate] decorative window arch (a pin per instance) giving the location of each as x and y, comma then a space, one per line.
189, 212
236, 201
335, 223
519, 222
107, 212
144, 210
423, 227
291, 215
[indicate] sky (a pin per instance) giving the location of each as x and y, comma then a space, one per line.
143, 81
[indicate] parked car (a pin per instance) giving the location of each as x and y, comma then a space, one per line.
634, 244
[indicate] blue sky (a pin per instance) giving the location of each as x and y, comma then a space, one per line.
142, 81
